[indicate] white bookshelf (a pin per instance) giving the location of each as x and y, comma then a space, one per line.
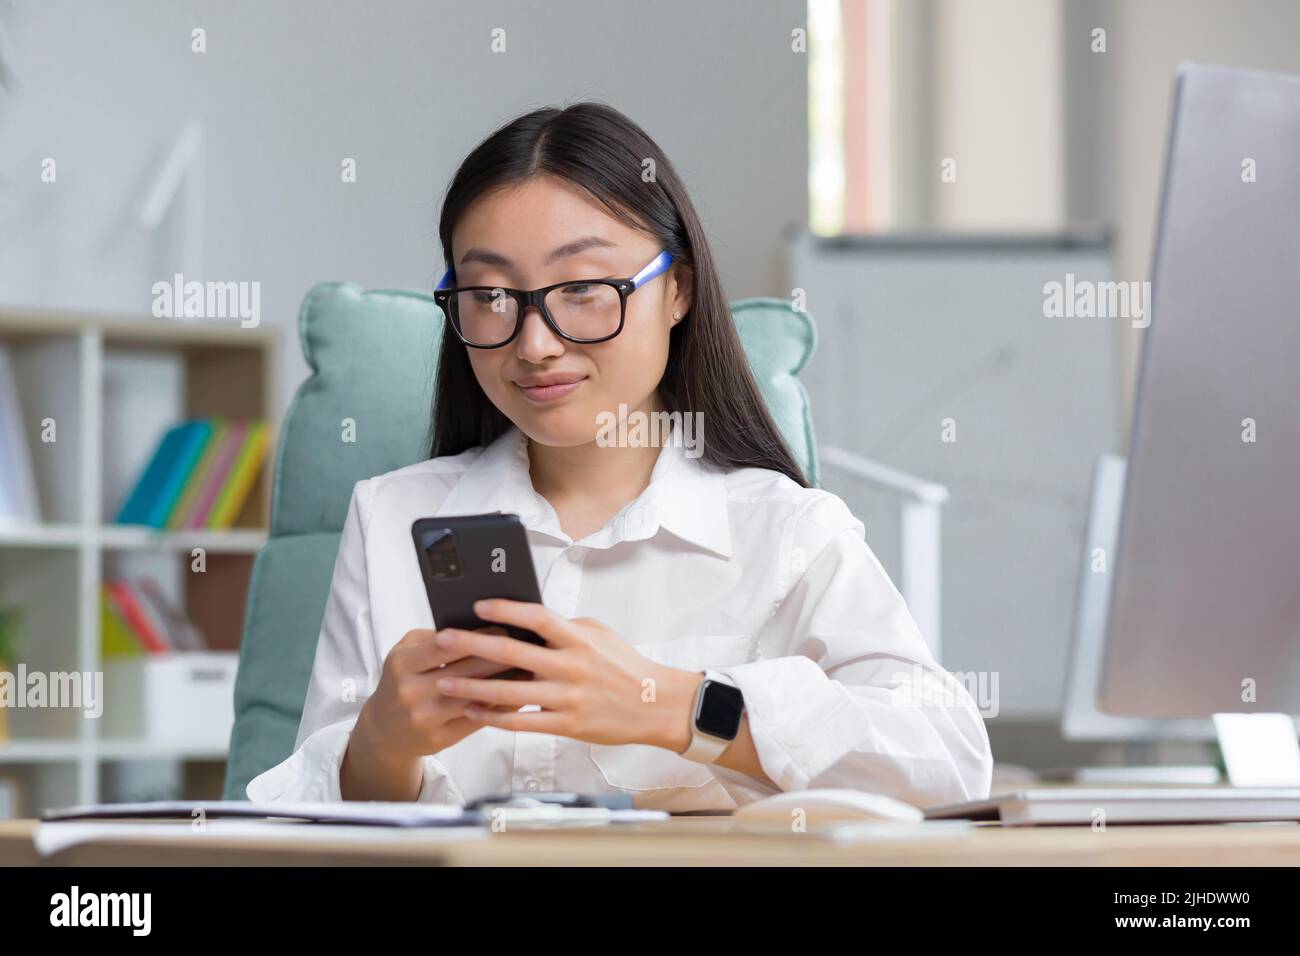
112, 384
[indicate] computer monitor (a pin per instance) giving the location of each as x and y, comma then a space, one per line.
1081, 719
1204, 611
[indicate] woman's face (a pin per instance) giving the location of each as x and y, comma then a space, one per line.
547, 231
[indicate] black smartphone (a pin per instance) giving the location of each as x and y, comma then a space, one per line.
467, 558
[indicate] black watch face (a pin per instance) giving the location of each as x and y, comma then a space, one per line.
721, 707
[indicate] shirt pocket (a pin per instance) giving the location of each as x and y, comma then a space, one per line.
641, 767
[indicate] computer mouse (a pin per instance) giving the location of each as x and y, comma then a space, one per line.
827, 806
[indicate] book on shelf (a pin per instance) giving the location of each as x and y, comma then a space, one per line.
194, 438
204, 471
200, 475
210, 487
19, 503
177, 629
116, 639
137, 618
243, 473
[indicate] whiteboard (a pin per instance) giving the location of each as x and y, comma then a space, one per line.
926, 338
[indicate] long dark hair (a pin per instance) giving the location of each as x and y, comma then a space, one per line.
597, 148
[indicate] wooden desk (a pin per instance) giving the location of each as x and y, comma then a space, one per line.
689, 841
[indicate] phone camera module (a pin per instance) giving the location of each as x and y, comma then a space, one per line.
444, 558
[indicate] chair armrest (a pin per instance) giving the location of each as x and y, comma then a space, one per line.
919, 534
884, 477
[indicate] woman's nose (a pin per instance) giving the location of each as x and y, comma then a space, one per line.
536, 339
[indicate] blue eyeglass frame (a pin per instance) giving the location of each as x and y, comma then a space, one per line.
526, 298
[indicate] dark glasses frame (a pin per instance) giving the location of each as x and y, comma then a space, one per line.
526, 298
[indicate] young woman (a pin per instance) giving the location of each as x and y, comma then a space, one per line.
658, 561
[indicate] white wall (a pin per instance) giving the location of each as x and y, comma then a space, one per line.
1118, 102
287, 89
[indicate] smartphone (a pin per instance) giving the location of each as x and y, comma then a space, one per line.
466, 558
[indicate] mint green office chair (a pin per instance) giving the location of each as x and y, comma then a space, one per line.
372, 356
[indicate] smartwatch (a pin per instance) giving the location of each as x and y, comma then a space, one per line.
715, 719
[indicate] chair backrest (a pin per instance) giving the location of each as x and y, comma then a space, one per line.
372, 356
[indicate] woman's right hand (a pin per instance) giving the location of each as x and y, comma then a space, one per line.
406, 718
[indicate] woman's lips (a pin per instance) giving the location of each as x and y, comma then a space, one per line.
549, 393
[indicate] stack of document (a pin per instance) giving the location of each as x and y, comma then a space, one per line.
366, 813
363, 813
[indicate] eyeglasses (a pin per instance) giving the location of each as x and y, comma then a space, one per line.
580, 310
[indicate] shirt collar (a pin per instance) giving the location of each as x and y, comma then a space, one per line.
686, 497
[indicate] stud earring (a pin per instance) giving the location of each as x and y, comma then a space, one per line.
677, 315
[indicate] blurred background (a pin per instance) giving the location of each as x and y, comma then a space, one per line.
911, 171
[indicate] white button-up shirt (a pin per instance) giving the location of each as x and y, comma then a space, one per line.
743, 572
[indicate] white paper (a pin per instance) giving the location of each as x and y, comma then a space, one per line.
1259, 750
50, 838
354, 811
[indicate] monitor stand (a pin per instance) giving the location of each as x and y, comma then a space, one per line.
1135, 775
1139, 769
1259, 750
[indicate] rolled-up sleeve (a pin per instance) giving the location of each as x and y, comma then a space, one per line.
844, 692
344, 673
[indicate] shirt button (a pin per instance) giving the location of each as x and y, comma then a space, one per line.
532, 785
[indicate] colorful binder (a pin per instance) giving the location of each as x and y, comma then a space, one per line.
116, 639
141, 502
199, 476
194, 437
213, 483
147, 632
241, 479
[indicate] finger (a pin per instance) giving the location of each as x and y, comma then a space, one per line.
415, 636
554, 629
493, 647
426, 682
532, 721
471, 667
459, 726
446, 709
438, 711
462, 726
419, 651
515, 674
546, 694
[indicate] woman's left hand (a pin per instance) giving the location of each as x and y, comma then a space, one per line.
589, 682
